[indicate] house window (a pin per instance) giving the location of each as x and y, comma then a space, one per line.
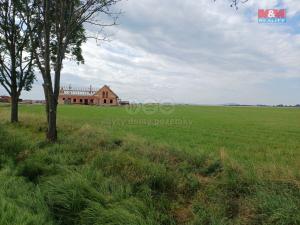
106, 94
111, 101
92, 101
80, 100
103, 94
64, 99
104, 101
74, 100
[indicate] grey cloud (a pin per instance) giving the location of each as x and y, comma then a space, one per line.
162, 49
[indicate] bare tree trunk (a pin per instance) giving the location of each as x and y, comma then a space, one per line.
14, 108
14, 93
52, 127
51, 104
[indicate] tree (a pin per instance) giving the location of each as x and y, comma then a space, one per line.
16, 61
57, 31
235, 3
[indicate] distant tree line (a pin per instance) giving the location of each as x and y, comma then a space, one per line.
282, 105
262, 105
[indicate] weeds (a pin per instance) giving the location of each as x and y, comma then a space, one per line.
92, 177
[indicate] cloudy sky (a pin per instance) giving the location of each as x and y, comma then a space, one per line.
194, 51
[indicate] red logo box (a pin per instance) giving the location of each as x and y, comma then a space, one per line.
272, 15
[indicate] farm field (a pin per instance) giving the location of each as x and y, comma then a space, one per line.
255, 136
152, 165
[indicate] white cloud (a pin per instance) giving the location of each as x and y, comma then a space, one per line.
193, 51
293, 6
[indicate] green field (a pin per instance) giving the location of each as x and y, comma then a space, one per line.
118, 165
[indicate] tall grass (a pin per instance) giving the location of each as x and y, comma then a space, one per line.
92, 176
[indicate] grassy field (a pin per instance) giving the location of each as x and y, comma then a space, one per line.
152, 165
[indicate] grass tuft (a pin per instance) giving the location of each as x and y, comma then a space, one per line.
110, 175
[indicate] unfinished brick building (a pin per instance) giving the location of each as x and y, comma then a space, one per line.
88, 96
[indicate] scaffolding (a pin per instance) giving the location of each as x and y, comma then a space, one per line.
69, 90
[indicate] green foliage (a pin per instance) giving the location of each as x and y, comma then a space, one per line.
16, 67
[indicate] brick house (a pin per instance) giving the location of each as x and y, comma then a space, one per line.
88, 96
6, 99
